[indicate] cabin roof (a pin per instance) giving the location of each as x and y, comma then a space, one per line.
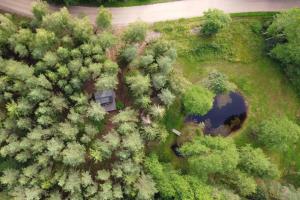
107, 99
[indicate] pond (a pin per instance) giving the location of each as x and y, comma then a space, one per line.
227, 115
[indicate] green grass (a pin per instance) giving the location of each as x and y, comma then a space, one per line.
174, 119
134, 3
125, 3
239, 52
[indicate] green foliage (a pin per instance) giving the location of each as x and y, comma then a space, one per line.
7, 28
214, 20
236, 168
52, 130
172, 185
39, 10
278, 134
138, 84
211, 155
128, 54
257, 27
135, 32
237, 52
280, 191
197, 100
73, 154
242, 183
146, 187
104, 18
218, 83
254, 162
120, 105
166, 97
284, 35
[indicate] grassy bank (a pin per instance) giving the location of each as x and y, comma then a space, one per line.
239, 52
125, 3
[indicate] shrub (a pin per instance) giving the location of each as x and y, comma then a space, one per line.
128, 54
103, 19
166, 97
218, 83
278, 134
198, 100
284, 36
136, 32
214, 20
120, 105
256, 27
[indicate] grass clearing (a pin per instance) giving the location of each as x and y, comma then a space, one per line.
239, 52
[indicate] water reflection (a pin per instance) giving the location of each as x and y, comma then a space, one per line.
227, 115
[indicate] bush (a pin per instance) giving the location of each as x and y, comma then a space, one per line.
284, 40
198, 100
214, 20
120, 105
103, 19
218, 83
128, 54
278, 134
256, 27
136, 32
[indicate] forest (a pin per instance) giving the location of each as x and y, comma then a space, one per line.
58, 142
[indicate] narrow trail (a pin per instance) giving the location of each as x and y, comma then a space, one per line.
162, 11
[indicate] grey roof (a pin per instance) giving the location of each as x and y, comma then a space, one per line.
106, 93
106, 99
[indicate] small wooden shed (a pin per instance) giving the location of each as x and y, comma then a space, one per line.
107, 99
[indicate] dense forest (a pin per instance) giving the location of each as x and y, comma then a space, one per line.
58, 142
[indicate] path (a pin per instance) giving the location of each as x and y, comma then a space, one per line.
162, 11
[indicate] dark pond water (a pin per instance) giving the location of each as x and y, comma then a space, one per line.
227, 115
175, 148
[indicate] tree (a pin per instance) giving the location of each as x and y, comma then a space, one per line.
197, 100
39, 10
157, 111
166, 97
138, 84
159, 80
211, 155
146, 187
284, 40
51, 129
7, 28
218, 83
279, 134
104, 18
213, 21
243, 183
254, 162
74, 154
9, 177
106, 82
128, 54
172, 184
96, 112
136, 32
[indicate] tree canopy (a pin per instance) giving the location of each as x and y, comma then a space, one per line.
218, 161
284, 36
51, 125
198, 100
278, 133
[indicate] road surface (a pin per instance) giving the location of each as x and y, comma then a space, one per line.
163, 11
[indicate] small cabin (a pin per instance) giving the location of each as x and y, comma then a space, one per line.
107, 99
